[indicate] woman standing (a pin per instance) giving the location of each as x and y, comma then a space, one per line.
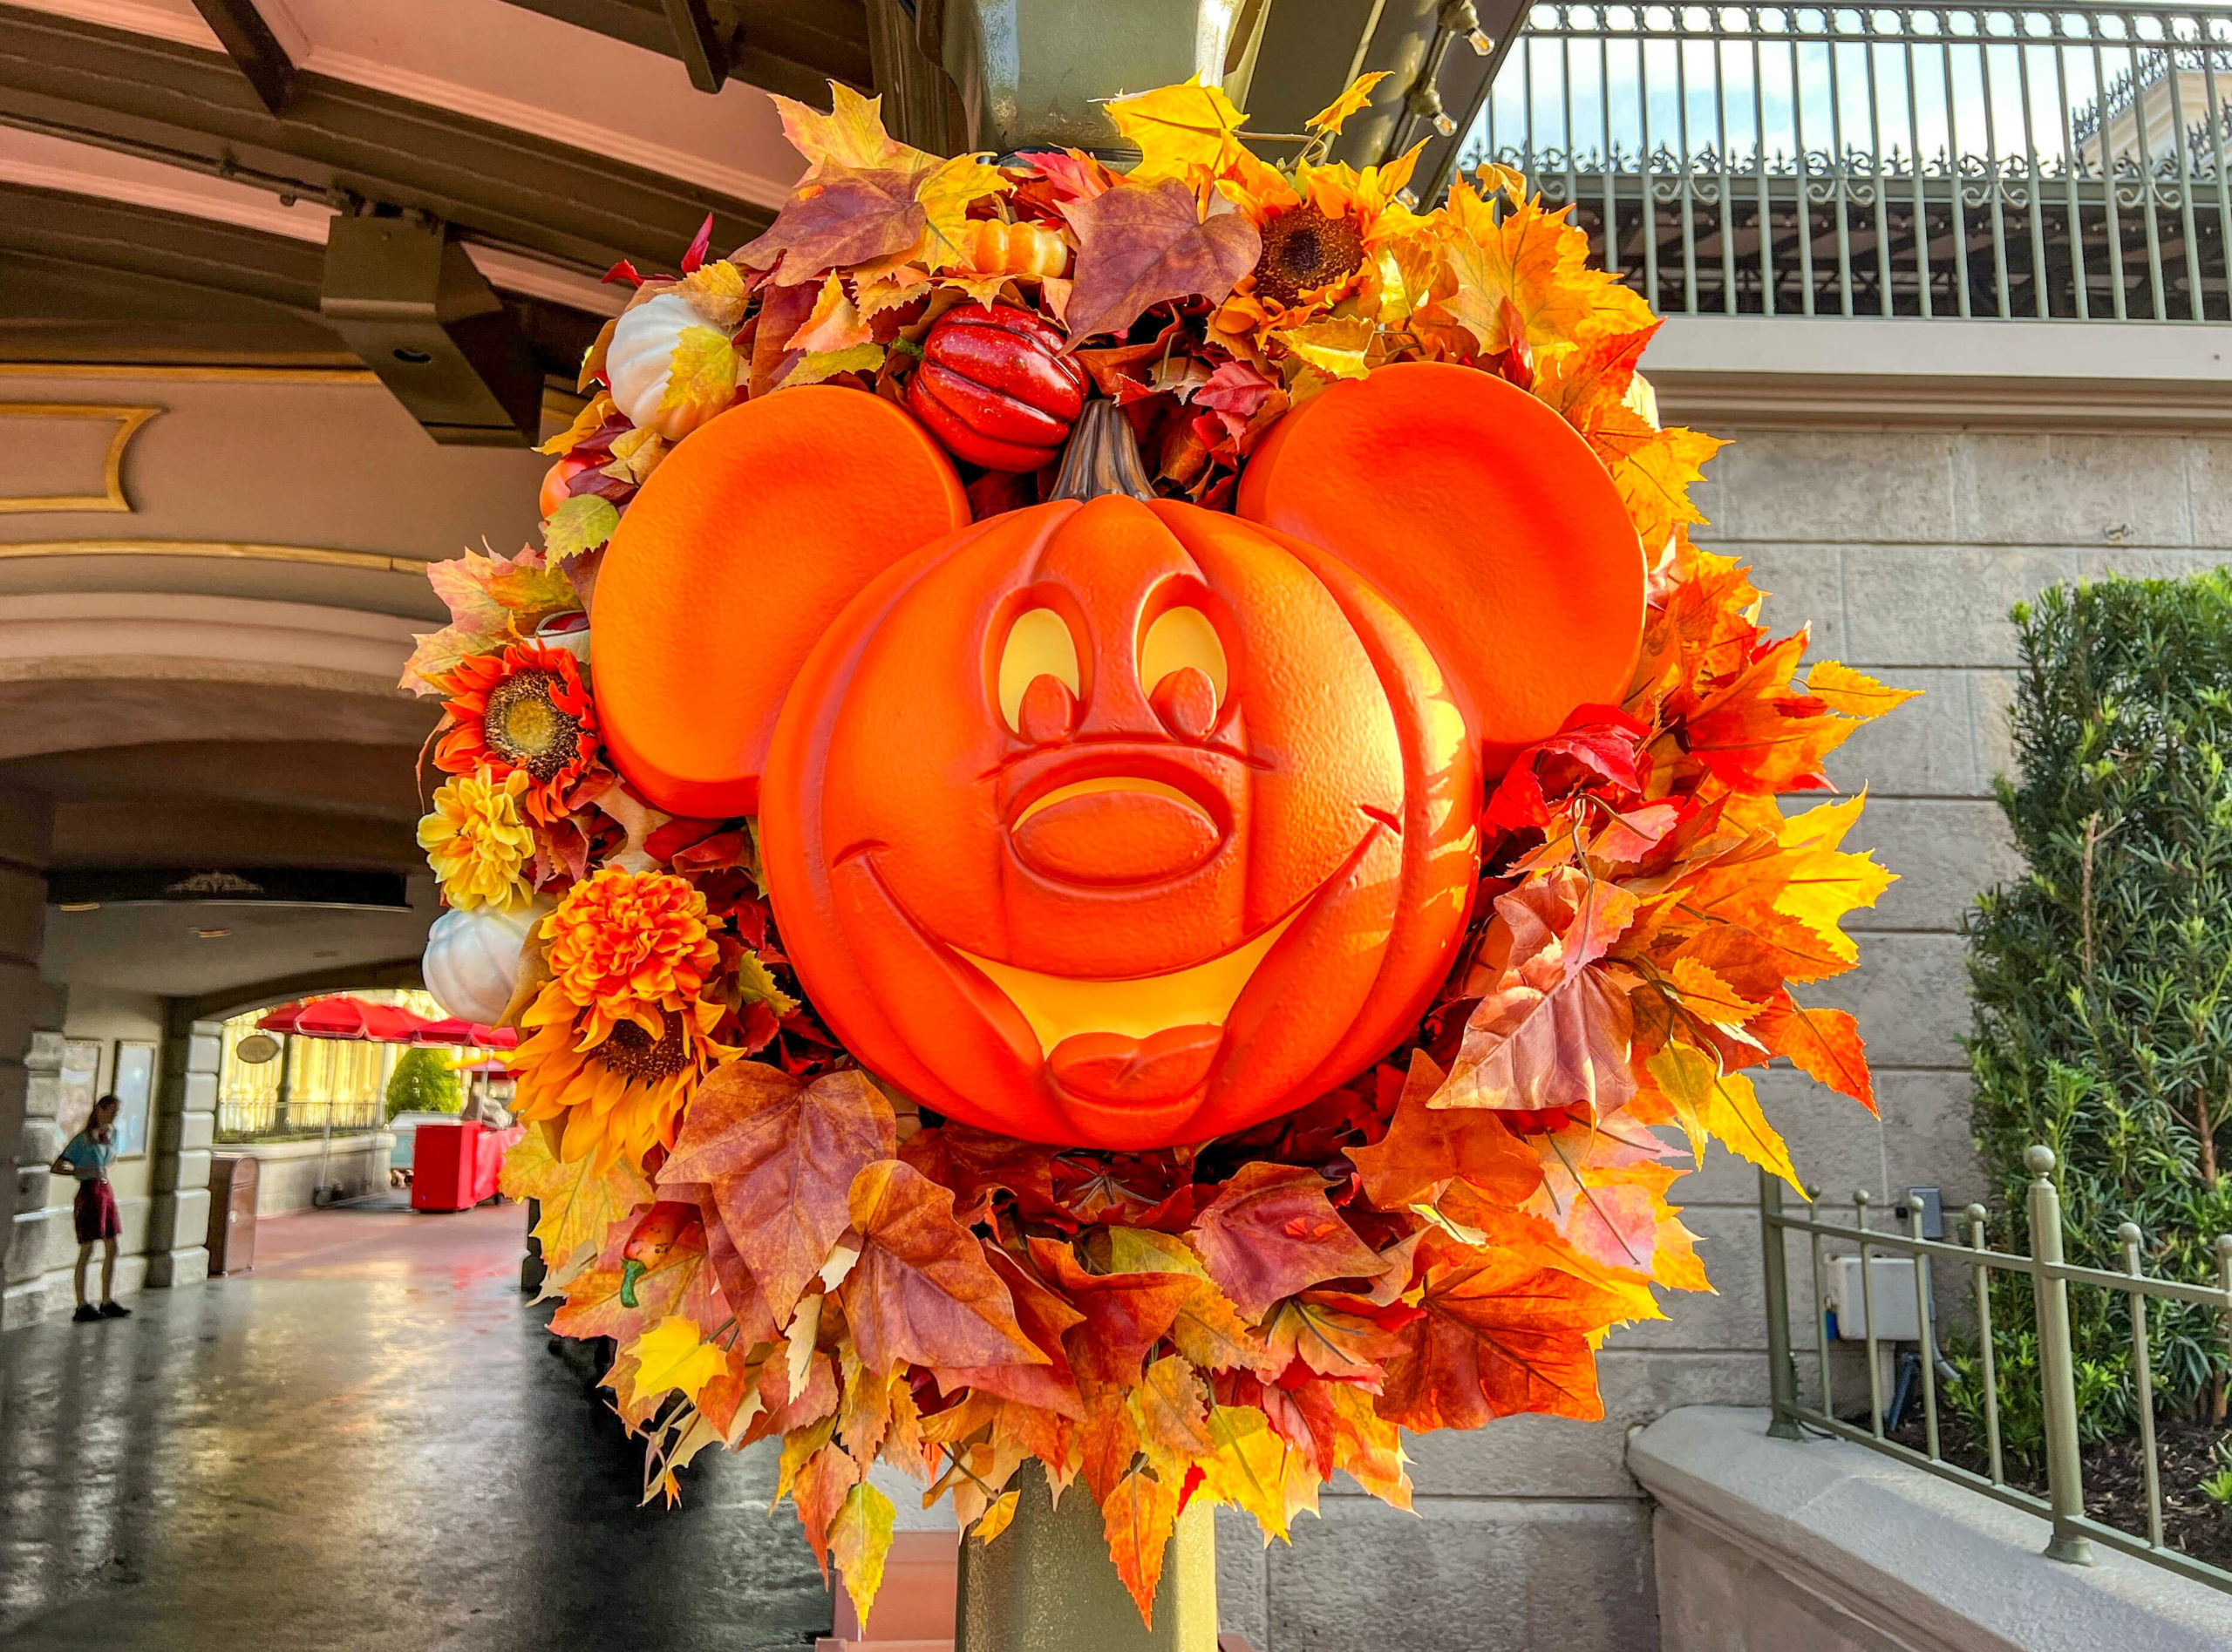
87, 1157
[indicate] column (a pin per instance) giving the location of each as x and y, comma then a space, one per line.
31, 1061
186, 1123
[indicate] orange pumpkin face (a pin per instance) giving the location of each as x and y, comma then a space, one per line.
1113, 824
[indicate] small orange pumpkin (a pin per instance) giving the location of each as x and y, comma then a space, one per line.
1120, 822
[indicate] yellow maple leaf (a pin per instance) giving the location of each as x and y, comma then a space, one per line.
997, 1518
1539, 262
716, 292
851, 134
672, 1355
701, 375
1335, 114
1706, 995
578, 1202
1187, 132
1712, 1104
827, 364
1254, 1468
1821, 883
1652, 468
859, 1540
594, 412
1843, 690
946, 195
1337, 347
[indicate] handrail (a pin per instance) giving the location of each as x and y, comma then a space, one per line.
2074, 1533
2054, 163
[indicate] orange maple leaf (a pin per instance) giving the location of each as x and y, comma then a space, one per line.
922, 1291
1423, 1148
1246, 1240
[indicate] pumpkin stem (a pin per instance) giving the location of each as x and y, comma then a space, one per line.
1102, 457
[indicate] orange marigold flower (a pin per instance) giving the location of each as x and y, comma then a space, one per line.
525, 709
626, 945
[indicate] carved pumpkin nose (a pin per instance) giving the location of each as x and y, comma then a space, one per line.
1123, 829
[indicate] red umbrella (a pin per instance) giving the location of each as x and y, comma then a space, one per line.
344, 1017
456, 1030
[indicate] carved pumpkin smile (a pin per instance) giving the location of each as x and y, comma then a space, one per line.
1118, 823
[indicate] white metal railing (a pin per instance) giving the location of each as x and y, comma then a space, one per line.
1983, 160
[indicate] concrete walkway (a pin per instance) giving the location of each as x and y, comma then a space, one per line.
367, 1445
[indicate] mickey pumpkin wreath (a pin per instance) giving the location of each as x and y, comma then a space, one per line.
1153, 817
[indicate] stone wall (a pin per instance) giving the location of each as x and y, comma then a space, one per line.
1904, 548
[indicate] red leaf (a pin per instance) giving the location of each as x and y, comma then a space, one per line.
1141, 245
1424, 1147
624, 270
1125, 1315
779, 1157
1272, 1232
695, 255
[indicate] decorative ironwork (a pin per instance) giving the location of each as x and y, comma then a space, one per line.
2004, 161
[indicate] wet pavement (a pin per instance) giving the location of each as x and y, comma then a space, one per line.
367, 1445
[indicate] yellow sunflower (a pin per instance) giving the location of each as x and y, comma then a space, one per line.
480, 847
621, 1032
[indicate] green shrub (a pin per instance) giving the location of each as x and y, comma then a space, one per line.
2103, 979
423, 1081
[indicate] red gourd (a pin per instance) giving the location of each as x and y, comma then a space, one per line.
995, 388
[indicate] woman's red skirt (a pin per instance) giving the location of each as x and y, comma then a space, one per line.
96, 1211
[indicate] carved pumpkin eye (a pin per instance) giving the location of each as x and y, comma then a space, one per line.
1039, 644
1177, 638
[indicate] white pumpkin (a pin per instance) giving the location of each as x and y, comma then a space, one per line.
473, 958
641, 353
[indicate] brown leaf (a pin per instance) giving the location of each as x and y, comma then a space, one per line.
922, 1291
846, 216
1424, 1147
780, 1156
1125, 1313
1271, 1232
1143, 244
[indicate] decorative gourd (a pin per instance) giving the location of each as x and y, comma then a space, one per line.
472, 961
638, 358
1031, 252
1120, 823
555, 491
995, 387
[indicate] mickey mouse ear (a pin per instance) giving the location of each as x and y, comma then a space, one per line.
1485, 519
742, 548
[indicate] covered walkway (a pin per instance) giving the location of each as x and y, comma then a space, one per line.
367, 1445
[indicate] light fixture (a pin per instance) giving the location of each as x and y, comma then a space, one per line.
212, 934
80, 906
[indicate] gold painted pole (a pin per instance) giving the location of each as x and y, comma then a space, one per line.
1047, 1584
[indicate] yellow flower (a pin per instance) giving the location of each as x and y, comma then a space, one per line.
622, 1033
476, 839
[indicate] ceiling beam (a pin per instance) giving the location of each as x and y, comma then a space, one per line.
699, 43
247, 40
190, 107
795, 47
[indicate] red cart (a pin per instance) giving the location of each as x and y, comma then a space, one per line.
454, 1167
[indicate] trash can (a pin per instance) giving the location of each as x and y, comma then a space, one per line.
445, 1168
233, 1180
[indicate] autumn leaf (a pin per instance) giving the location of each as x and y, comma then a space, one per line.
850, 136
581, 524
1335, 115
578, 1203
818, 365
701, 378
1653, 470
779, 1157
1170, 1408
673, 1355
946, 195
1843, 690
820, 1488
1552, 1027
1138, 1517
859, 1540
834, 324
1044, 1318
1271, 1232
1366, 1446
1712, 1104
923, 1291
997, 1517
1125, 1315
1143, 244
719, 293
841, 218
1181, 132
1530, 267
1255, 1469
586, 423
1825, 1044
1504, 1333
491, 599
1336, 348
1335, 1343
1426, 1147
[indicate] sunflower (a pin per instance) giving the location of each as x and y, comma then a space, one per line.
621, 1032
523, 710
481, 851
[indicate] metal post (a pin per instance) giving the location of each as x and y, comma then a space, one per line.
2056, 1363
1782, 1368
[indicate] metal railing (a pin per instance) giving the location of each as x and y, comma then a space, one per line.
268, 1118
1969, 160
2051, 1279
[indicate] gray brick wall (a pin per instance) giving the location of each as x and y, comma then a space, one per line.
1904, 551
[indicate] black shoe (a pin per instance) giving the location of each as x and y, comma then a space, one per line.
115, 1310
85, 1312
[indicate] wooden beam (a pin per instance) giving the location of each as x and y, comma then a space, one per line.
699, 43
247, 40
